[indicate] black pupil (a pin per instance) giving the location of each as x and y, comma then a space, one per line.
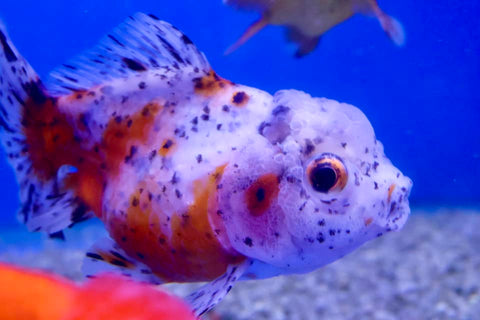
323, 178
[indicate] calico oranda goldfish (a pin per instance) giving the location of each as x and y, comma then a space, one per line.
196, 178
33, 295
307, 20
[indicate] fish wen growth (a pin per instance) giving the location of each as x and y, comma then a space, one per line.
307, 20
195, 177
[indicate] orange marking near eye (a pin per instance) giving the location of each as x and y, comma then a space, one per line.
210, 84
190, 250
240, 99
390, 191
261, 193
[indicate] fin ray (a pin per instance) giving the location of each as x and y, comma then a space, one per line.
207, 296
107, 256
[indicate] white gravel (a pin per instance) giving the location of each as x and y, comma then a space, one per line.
429, 270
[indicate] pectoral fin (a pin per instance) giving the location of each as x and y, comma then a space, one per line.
210, 294
107, 257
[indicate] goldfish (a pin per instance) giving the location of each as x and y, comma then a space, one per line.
35, 295
307, 20
196, 178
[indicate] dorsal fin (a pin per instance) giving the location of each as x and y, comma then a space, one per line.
140, 43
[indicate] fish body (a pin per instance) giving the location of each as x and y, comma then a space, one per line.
307, 20
33, 295
196, 178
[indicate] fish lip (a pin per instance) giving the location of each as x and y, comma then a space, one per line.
398, 209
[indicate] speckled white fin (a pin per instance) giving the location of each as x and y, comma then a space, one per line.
207, 296
44, 207
107, 257
140, 43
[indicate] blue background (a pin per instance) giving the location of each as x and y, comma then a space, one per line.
423, 100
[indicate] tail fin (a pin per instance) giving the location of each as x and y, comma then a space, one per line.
45, 207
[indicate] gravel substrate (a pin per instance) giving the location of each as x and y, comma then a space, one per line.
429, 270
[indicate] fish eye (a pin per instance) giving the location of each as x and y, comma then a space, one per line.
327, 173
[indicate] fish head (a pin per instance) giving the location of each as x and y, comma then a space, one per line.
315, 186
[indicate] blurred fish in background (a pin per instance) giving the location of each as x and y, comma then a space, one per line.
26, 294
307, 20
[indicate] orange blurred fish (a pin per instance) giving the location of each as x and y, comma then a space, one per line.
34, 295
308, 20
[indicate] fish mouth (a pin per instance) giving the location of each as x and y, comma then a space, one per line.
398, 207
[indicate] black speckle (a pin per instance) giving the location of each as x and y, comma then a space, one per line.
9, 54
309, 147
186, 40
134, 65
239, 97
94, 256
133, 151
167, 144
225, 108
142, 85
331, 232
178, 194
248, 241
118, 263
35, 90
135, 202
321, 222
344, 145
116, 40
320, 237
199, 158
154, 17
260, 194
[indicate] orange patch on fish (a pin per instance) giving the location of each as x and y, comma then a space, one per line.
261, 193
210, 84
123, 134
52, 144
240, 99
191, 251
